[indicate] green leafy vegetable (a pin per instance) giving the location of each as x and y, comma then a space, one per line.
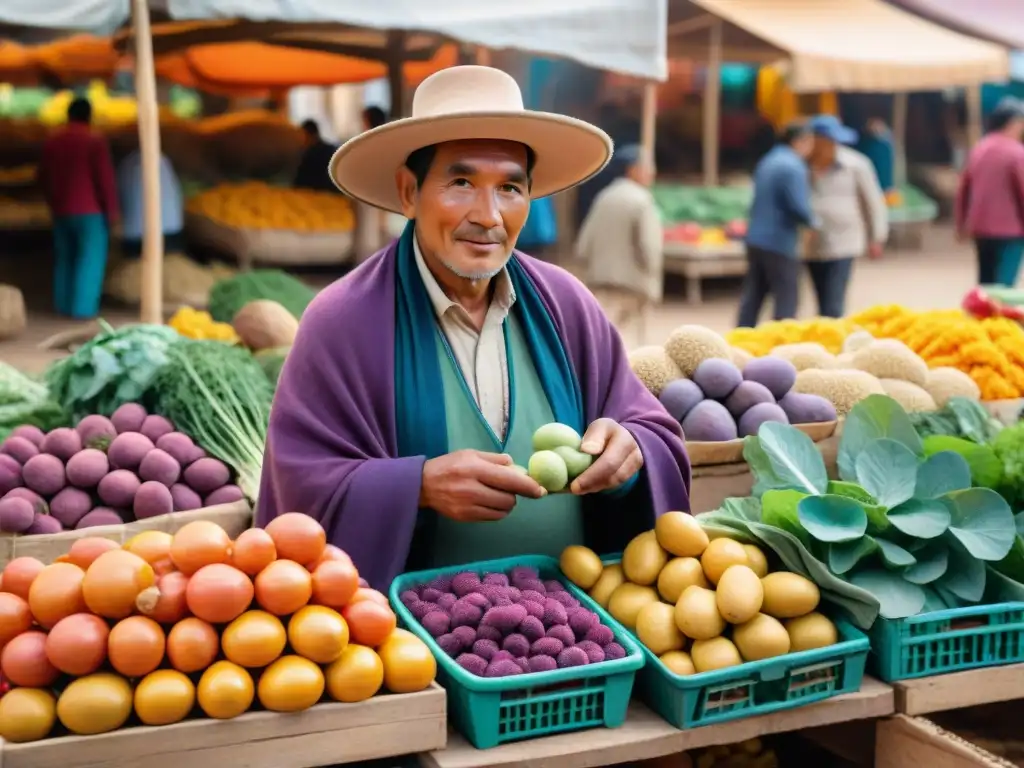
930, 566
874, 417
960, 417
897, 597
887, 470
832, 519
984, 464
1009, 448
231, 294
23, 400
941, 473
920, 518
894, 555
785, 458
981, 520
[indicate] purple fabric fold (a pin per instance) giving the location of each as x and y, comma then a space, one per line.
331, 444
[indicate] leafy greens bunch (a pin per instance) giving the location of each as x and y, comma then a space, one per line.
906, 527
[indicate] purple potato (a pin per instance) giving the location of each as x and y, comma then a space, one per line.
465, 614
484, 632
614, 651
38, 502
679, 397
521, 572
505, 618
450, 644
600, 634
775, 373
752, 420
472, 664
152, 500
532, 595
709, 422
547, 646
20, 449
99, 516
96, 431
595, 653
44, 474
746, 396
118, 489
128, 418
421, 609
207, 475
807, 409
563, 597
63, 442
179, 446
42, 525
464, 583
158, 466
154, 427
503, 668
445, 602
227, 494
436, 623
16, 515
31, 433
10, 474
581, 620
485, 649
516, 644
573, 657
466, 636
128, 449
529, 585
554, 612
408, 597
543, 664
502, 656
523, 662
563, 633
534, 609
86, 468
184, 498
441, 583
497, 579
430, 594
717, 378
475, 598
70, 505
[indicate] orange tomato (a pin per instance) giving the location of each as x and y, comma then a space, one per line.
330, 552
57, 591
85, 551
136, 646
365, 593
15, 617
334, 583
197, 544
283, 587
369, 623
113, 582
192, 645
225, 691
409, 666
291, 684
253, 551
297, 537
356, 676
165, 601
254, 639
77, 644
24, 662
19, 574
164, 697
218, 593
154, 547
318, 633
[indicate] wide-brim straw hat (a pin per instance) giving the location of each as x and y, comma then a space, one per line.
465, 103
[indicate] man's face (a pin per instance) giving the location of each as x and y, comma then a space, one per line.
824, 152
1016, 128
471, 207
643, 172
804, 145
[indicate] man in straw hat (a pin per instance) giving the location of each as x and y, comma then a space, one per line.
416, 382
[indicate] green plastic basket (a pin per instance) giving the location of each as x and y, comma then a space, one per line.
492, 711
953, 640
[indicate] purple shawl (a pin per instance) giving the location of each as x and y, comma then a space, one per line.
331, 445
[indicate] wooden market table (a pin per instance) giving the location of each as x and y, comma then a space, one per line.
645, 735
959, 690
695, 262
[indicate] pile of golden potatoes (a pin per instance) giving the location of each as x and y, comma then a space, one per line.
701, 604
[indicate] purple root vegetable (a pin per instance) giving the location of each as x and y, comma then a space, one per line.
514, 594
184, 498
594, 651
502, 656
565, 599
16, 515
581, 620
440, 583
553, 585
159, 467
521, 572
96, 431
63, 442
505, 618
600, 634
534, 609
128, 449
118, 489
70, 506
464, 583
467, 636
38, 502
152, 500
10, 474
207, 475
614, 651
430, 594
179, 446
227, 494
99, 516
533, 586
497, 579
86, 468
516, 644
128, 418
450, 644
523, 662
30, 432
532, 595
573, 657
475, 598
532, 628
547, 646
543, 664
43, 524
485, 649
445, 602
408, 597
503, 668
472, 664
563, 633
19, 448
554, 612
465, 614
436, 623
421, 609
44, 474
488, 633
154, 427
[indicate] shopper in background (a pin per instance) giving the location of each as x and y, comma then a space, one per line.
877, 145
76, 176
621, 243
990, 200
312, 171
373, 117
782, 204
129, 187
850, 206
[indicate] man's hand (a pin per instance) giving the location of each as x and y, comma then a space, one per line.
473, 486
875, 250
618, 457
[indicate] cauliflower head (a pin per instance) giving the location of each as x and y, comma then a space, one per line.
844, 388
944, 383
891, 359
654, 368
691, 345
913, 398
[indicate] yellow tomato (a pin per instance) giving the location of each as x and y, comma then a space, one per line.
318, 633
94, 704
254, 639
225, 690
163, 697
27, 714
409, 666
291, 684
356, 676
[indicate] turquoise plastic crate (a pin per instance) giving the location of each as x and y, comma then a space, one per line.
948, 641
492, 711
756, 687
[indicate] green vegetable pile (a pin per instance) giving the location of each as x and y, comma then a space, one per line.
961, 417
231, 294
26, 401
903, 531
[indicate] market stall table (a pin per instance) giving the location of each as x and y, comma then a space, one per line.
910, 216
645, 735
959, 690
901, 741
697, 262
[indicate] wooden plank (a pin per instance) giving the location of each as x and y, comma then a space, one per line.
645, 735
901, 741
327, 734
959, 690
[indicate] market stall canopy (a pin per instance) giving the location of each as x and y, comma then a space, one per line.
1001, 21
845, 45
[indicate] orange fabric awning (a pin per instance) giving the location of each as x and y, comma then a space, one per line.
17, 65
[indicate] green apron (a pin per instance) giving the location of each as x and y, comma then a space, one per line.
535, 526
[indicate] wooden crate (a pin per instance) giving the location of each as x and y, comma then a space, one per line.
327, 734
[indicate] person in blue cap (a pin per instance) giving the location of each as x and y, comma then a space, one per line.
850, 207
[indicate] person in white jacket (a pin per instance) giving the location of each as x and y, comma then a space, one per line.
621, 244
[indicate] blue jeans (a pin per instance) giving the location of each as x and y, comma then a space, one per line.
80, 262
999, 260
830, 278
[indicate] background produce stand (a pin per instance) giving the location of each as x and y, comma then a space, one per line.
645, 735
327, 734
910, 217
697, 262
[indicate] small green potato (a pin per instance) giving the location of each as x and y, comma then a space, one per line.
549, 470
575, 461
556, 435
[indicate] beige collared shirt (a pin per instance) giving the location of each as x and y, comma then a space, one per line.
480, 354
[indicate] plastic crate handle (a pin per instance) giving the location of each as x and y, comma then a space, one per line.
772, 672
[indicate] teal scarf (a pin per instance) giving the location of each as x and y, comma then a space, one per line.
419, 409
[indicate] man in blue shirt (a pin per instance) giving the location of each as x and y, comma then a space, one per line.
129, 187
782, 204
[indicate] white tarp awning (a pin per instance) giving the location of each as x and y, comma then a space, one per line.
625, 36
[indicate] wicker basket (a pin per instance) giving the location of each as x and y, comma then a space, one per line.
233, 518
731, 451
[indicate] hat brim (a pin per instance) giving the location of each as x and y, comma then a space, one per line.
567, 151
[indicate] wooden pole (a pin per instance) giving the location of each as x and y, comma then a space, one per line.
649, 119
712, 104
899, 137
151, 290
974, 130
483, 56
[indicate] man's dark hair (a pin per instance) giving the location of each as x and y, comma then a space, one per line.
80, 111
1007, 110
374, 116
794, 131
311, 128
419, 162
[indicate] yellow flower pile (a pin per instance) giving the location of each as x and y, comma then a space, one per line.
762, 340
198, 324
256, 205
